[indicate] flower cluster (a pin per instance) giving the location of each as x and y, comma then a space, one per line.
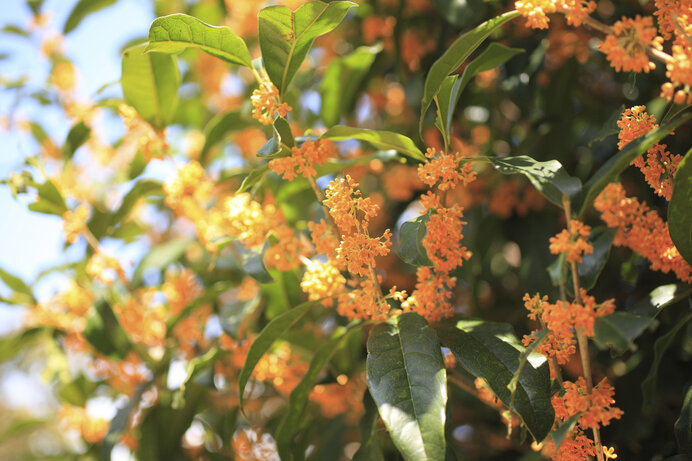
74, 222
564, 319
573, 241
642, 230
105, 269
322, 280
343, 396
266, 103
626, 47
303, 159
444, 168
658, 165
535, 11
151, 143
92, 430
143, 318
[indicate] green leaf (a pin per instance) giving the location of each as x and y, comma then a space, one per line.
455, 56
379, 139
683, 425
285, 37
174, 33
611, 169
369, 449
81, 10
539, 337
559, 434
77, 136
252, 260
104, 332
407, 380
549, 178
120, 422
558, 270
18, 428
195, 366
231, 315
143, 188
252, 178
216, 130
342, 80
592, 264
484, 354
17, 285
411, 237
13, 29
77, 391
298, 399
160, 257
281, 141
452, 87
264, 340
679, 212
619, 330
660, 298
49, 201
150, 84
660, 347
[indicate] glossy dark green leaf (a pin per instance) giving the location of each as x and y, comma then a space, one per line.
549, 178
380, 139
217, 128
369, 449
660, 298
411, 237
150, 84
679, 209
160, 257
559, 434
81, 10
286, 36
660, 347
611, 169
592, 264
485, 355
281, 141
452, 87
342, 80
141, 189
50, 200
619, 330
232, 314
455, 55
683, 425
407, 380
538, 338
77, 136
298, 399
557, 270
176, 32
268, 336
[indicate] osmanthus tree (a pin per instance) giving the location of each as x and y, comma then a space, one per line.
396, 229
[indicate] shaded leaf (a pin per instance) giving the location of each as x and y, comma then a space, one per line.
559, 434
342, 80
253, 262
679, 210
298, 399
683, 425
150, 84
411, 237
660, 298
176, 32
369, 449
104, 332
379, 139
264, 340
407, 380
619, 330
455, 55
194, 366
231, 315
660, 347
286, 36
141, 189
611, 169
81, 10
485, 355
216, 130
253, 178
592, 264
77, 136
160, 257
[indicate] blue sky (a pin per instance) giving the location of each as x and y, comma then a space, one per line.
30, 242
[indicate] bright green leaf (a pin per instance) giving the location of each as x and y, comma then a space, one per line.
50, 200
81, 10
455, 56
380, 139
679, 210
286, 36
253, 178
176, 32
407, 380
150, 84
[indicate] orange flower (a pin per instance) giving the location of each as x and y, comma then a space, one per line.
595, 407
322, 238
442, 241
445, 169
573, 241
304, 159
633, 123
74, 222
142, 318
679, 72
626, 47
191, 183
322, 280
535, 12
358, 251
432, 296
266, 103
180, 289
642, 230
400, 182
284, 253
361, 302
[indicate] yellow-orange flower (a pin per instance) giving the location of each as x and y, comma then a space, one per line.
105, 269
143, 318
74, 222
626, 47
303, 159
322, 280
266, 103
